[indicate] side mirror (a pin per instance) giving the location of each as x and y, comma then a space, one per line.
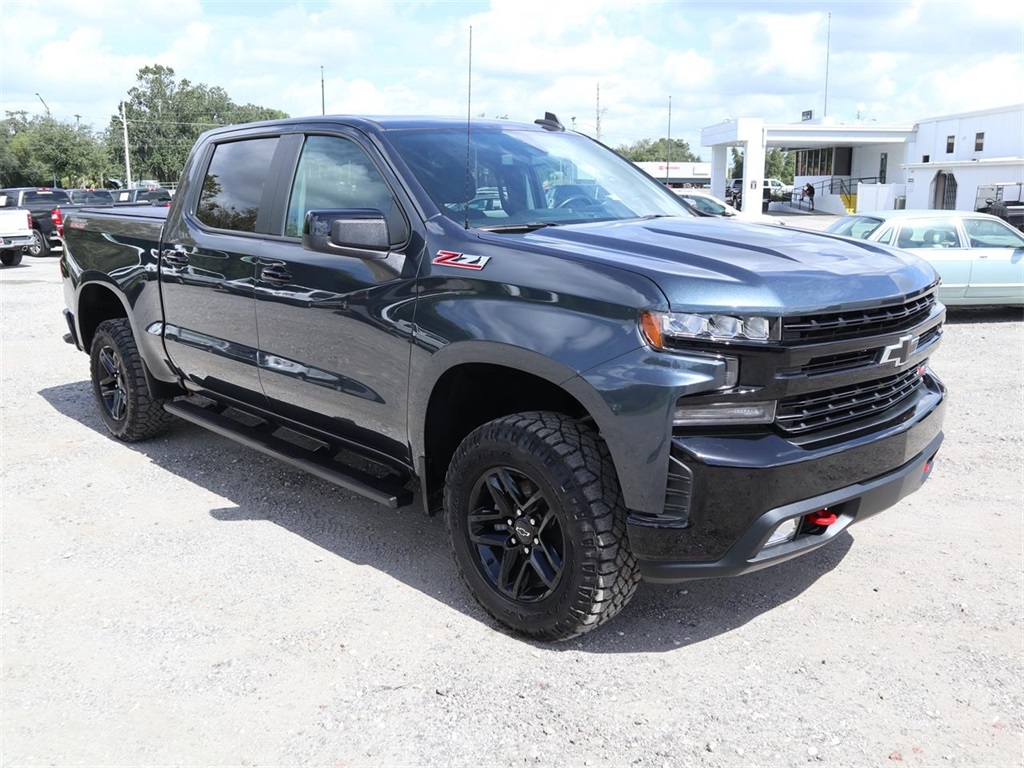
363, 232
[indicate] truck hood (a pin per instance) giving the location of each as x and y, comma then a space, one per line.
709, 264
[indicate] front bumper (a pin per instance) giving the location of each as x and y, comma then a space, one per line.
743, 487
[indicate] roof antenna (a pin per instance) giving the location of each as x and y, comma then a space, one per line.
550, 122
469, 117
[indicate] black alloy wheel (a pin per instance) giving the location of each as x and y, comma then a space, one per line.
120, 387
520, 544
537, 525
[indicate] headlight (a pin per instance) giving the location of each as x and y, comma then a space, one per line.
661, 328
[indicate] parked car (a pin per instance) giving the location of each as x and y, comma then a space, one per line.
771, 189
593, 389
709, 205
777, 189
39, 201
15, 234
979, 256
733, 188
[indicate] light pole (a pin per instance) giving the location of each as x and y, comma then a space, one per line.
47, 108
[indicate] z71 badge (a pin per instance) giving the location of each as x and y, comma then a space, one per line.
462, 260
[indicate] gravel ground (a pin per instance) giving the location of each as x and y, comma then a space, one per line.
189, 602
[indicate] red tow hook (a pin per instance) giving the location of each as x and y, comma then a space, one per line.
821, 517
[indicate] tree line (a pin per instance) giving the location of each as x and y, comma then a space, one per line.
164, 118
778, 164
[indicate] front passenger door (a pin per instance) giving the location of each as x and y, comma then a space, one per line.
334, 328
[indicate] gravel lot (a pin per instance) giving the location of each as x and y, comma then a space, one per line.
189, 602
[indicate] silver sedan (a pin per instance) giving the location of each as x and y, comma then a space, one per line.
979, 257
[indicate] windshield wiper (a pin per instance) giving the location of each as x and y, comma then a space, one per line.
525, 227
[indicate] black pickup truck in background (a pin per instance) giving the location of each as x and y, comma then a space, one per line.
512, 324
39, 201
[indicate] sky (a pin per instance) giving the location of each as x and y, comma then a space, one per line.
619, 71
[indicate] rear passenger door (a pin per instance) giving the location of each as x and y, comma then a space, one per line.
211, 246
997, 266
335, 328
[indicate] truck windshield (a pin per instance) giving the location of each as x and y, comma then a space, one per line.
507, 179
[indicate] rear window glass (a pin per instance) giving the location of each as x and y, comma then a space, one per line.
234, 184
86, 196
45, 196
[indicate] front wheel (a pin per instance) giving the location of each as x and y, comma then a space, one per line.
119, 384
537, 525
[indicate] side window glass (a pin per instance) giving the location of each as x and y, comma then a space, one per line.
984, 233
234, 184
886, 236
941, 233
334, 173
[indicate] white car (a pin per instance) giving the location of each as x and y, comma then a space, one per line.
709, 205
15, 234
979, 257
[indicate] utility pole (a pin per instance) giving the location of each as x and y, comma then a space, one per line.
323, 109
598, 121
44, 105
127, 160
669, 163
828, 46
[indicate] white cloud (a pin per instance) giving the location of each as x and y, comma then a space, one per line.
901, 60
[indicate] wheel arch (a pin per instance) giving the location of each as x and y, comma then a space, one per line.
98, 300
466, 385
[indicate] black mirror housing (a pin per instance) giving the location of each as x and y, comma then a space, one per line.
363, 231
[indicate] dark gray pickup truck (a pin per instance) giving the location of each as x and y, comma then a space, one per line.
514, 325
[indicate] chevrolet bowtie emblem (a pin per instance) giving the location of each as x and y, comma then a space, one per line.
900, 352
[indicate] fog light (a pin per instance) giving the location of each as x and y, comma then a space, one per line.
730, 413
786, 531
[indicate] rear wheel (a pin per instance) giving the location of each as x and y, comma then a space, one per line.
39, 245
119, 384
10, 258
537, 526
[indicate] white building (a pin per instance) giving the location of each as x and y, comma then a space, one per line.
677, 174
937, 162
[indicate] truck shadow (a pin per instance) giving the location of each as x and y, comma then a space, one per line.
964, 315
413, 548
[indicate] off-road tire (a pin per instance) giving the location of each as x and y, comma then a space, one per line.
119, 385
563, 567
39, 245
10, 258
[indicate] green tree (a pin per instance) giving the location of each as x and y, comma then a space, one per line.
737, 164
646, 151
44, 151
778, 164
166, 117
774, 164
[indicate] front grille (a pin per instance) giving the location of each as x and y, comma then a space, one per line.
823, 410
833, 363
835, 326
850, 361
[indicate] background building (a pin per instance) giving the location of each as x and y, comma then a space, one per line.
936, 163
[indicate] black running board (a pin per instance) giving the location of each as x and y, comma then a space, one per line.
393, 494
